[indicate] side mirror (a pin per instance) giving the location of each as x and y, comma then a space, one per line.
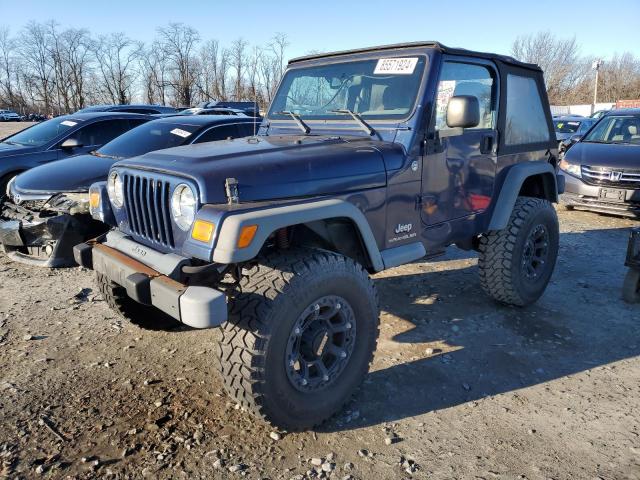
463, 111
70, 143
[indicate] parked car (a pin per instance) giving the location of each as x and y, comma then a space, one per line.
214, 111
9, 116
250, 108
47, 211
366, 160
60, 138
566, 126
602, 169
148, 109
599, 114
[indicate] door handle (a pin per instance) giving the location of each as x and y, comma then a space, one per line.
487, 142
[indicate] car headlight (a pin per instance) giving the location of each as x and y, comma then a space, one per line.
115, 189
183, 206
72, 203
571, 168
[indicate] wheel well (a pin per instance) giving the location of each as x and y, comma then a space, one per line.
540, 186
339, 235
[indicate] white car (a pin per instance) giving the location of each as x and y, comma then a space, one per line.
9, 116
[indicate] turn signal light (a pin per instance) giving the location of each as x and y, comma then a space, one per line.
202, 231
246, 235
94, 199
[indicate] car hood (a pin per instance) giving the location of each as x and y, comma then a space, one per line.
8, 150
75, 174
272, 167
604, 155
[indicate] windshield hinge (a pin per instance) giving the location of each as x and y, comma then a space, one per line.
231, 187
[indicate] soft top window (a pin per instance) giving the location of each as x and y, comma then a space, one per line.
384, 88
526, 122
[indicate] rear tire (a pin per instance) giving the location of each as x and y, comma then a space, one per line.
517, 262
302, 329
631, 286
144, 316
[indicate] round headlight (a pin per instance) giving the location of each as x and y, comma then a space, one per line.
183, 206
115, 189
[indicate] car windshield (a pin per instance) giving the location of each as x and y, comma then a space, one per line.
566, 126
43, 133
383, 88
616, 129
155, 135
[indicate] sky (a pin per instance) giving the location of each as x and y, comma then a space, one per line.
328, 25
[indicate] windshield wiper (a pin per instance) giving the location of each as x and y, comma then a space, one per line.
303, 126
365, 126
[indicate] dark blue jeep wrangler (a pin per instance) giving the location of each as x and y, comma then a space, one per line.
366, 160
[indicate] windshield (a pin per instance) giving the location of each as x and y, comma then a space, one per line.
155, 135
374, 89
616, 129
566, 126
42, 133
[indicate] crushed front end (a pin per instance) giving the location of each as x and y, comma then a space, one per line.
43, 231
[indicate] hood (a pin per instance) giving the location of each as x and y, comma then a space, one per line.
9, 150
604, 155
75, 174
272, 167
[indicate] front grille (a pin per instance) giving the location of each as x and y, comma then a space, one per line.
147, 200
611, 177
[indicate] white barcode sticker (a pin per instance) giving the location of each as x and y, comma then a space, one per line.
180, 132
68, 123
396, 66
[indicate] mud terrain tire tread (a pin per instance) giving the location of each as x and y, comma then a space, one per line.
261, 297
496, 260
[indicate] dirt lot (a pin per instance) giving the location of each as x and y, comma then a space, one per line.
460, 387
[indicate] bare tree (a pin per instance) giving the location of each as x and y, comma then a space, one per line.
7, 49
238, 60
117, 56
178, 43
34, 50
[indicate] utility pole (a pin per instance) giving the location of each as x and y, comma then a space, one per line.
595, 66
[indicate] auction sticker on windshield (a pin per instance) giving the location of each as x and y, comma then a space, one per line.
68, 123
396, 66
180, 132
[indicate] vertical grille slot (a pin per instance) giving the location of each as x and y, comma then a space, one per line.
147, 201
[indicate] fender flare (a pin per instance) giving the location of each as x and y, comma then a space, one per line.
512, 184
271, 219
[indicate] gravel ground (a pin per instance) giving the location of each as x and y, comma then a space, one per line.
460, 387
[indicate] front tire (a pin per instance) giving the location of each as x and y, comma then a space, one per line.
302, 329
516, 263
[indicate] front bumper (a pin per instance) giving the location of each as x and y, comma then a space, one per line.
581, 196
46, 242
196, 306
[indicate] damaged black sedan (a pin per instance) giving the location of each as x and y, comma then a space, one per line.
46, 211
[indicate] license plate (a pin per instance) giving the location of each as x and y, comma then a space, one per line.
613, 194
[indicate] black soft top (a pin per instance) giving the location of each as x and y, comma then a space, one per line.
436, 45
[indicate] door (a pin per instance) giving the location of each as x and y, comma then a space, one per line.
459, 165
93, 136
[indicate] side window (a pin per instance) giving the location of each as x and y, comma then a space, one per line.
247, 129
99, 133
525, 119
222, 132
466, 79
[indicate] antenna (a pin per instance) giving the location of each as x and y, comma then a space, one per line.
255, 113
